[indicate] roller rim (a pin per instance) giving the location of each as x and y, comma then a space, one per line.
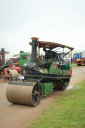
4, 78
36, 94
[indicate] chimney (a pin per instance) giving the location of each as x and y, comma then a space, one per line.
3, 54
34, 47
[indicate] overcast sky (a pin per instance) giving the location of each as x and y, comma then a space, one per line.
61, 21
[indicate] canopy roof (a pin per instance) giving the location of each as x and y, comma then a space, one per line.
51, 45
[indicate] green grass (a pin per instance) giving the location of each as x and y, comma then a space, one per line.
68, 111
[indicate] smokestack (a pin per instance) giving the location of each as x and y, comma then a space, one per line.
34, 47
3, 54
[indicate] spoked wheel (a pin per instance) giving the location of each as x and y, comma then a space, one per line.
11, 73
60, 85
36, 94
65, 85
6, 78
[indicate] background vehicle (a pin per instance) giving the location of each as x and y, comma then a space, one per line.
77, 56
7, 71
24, 58
81, 60
40, 76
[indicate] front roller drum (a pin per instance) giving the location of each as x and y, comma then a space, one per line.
24, 93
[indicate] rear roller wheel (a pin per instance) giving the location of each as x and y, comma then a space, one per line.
60, 85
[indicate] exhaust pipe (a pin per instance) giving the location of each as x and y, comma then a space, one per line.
34, 49
3, 54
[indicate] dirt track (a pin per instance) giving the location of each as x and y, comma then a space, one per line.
19, 116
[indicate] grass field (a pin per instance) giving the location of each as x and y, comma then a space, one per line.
68, 111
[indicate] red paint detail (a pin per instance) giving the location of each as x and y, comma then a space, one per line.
69, 72
12, 65
5, 71
54, 66
18, 68
48, 61
81, 61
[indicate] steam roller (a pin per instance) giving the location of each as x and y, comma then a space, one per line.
7, 72
41, 75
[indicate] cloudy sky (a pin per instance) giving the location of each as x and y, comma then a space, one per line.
61, 21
